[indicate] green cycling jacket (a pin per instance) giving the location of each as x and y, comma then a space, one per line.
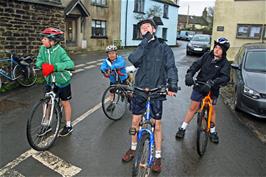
58, 57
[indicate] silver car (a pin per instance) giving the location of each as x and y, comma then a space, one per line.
249, 76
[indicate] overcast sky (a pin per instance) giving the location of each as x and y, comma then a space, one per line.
195, 6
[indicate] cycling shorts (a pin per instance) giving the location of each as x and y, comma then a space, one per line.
64, 93
197, 96
138, 106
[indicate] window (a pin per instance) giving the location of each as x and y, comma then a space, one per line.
165, 11
98, 28
136, 33
264, 33
249, 31
139, 6
256, 61
164, 35
99, 2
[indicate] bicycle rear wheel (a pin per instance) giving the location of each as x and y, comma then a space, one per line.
42, 133
114, 102
25, 76
202, 131
141, 167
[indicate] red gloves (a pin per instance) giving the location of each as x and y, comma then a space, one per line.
47, 69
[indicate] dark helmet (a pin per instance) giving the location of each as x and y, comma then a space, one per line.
147, 20
223, 43
110, 48
53, 34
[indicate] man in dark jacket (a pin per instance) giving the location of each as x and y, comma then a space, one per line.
214, 70
156, 68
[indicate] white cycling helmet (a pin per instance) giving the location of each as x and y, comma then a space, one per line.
110, 48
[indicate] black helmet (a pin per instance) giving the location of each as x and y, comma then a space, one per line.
147, 20
223, 43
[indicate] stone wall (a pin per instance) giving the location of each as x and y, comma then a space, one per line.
21, 22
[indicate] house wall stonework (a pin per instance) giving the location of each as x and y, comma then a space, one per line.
21, 22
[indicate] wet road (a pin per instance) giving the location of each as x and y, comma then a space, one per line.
97, 143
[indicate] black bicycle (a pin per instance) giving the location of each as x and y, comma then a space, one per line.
116, 98
44, 123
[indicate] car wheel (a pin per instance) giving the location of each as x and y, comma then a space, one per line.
188, 53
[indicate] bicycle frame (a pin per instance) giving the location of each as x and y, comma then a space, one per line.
5, 74
207, 101
147, 121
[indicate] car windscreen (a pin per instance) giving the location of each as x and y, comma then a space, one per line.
256, 61
201, 38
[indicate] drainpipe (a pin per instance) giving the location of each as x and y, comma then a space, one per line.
126, 24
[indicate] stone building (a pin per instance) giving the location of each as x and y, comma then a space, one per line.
22, 20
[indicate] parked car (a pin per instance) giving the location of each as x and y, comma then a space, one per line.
249, 77
199, 44
186, 35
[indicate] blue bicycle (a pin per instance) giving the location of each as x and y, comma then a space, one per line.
20, 69
144, 156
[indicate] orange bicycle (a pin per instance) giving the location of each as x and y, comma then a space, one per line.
204, 122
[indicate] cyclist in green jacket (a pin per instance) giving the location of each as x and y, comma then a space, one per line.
53, 58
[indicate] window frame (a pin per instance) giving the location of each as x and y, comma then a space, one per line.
136, 33
249, 30
166, 12
264, 32
95, 26
99, 3
164, 32
139, 6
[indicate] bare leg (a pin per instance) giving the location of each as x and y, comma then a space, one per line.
158, 135
135, 124
191, 111
67, 108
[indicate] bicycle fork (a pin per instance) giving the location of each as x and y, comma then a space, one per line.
48, 109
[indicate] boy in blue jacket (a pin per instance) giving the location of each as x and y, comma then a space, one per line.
114, 66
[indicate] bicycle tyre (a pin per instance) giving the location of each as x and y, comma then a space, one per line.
43, 142
23, 77
202, 132
140, 166
119, 100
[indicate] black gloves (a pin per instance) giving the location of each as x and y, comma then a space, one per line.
205, 88
148, 36
189, 79
172, 85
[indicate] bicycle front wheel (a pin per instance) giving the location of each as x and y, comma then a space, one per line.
114, 102
202, 131
43, 125
141, 166
25, 76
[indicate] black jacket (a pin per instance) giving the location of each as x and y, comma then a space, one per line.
156, 65
209, 69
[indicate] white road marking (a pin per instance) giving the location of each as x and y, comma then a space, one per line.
80, 65
15, 162
78, 70
90, 62
13, 173
56, 164
31, 152
98, 64
89, 67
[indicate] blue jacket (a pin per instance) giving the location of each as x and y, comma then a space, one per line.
118, 63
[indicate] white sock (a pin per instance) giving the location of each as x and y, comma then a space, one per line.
68, 123
213, 130
133, 146
184, 125
158, 154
